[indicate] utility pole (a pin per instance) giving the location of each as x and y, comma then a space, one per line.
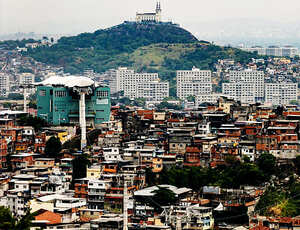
25, 99
82, 119
125, 207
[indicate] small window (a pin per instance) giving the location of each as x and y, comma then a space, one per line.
42, 93
102, 94
60, 93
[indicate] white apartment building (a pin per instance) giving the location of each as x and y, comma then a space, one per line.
193, 82
4, 84
127, 81
247, 77
285, 51
96, 193
153, 90
281, 93
208, 98
112, 154
243, 92
110, 78
26, 78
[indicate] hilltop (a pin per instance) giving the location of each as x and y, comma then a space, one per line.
108, 48
161, 47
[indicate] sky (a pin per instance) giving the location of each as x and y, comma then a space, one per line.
201, 17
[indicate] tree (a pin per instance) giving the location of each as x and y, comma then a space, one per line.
297, 164
125, 101
267, 164
53, 147
15, 96
165, 105
294, 102
163, 197
191, 98
141, 102
36, 122
7, 221
80, 164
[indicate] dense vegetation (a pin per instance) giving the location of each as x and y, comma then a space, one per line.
36, 122
108, 48
12, 44
8, 221
161, 48
281, 200
53, 147
232, 175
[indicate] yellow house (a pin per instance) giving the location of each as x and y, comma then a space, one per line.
225, 107
159, 116
93, 172
63, 136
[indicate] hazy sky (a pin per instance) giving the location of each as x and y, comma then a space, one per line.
74, 16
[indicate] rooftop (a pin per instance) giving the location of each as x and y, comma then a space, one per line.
69, 81
149, 191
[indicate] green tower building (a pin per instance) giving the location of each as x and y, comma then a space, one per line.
58, 101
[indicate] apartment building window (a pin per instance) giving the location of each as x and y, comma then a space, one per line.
42, 93
60, 93
102, 94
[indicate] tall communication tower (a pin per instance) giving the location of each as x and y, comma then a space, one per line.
82, 91
125, 207
25, 93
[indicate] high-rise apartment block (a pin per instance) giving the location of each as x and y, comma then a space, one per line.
193, 82
243, 92
243, 84
208, 98
4, 84
281, 93
153, 90
26, 79
136, 85
109, 78
286, 51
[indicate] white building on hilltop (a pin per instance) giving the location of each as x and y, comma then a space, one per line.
193, 82
150, 17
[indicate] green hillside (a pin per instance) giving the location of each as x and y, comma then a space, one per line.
167, 58
162, 48
108, 48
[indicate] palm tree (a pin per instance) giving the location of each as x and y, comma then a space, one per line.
8, 221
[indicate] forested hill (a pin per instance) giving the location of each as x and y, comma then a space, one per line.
163, 48
96, 50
